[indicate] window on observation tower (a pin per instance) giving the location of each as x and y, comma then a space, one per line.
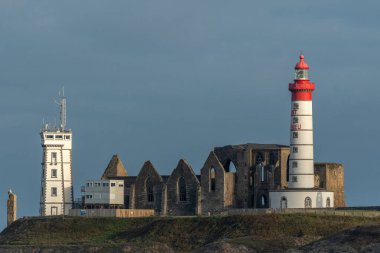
294, 164
296, 106
53, 157
294, 179
295, 149
53, 173
295, 119
54, 191
295, 135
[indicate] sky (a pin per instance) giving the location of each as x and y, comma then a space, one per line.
165, 80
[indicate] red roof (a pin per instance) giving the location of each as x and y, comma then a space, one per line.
301, 64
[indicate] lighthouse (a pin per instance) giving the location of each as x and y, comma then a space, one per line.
301, 191
301, 159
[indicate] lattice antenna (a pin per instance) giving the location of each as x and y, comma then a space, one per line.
62, 107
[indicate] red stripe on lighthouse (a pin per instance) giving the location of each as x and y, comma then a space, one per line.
302, 96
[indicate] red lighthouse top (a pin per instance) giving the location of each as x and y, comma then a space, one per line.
301, 88
301, 64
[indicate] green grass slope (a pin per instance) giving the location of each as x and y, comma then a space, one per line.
264, 233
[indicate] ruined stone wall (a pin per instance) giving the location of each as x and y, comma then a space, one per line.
238, 157
239, 181
132, 197
141, 194
229, 190
283, 163
185, 205
335, 183
212, 200
320, 175
249, 188
330, 176
269, 173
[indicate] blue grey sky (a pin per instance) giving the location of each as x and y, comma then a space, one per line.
164, 80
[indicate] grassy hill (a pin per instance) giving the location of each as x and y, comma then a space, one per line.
264, 233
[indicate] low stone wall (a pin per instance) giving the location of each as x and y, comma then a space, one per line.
316, 211
118, 213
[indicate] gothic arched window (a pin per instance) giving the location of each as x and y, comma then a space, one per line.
149, 190
272, 159
308, 202
212, 180
182, 189
259, 158
263, 201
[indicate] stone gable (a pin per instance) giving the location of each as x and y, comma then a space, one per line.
114, 169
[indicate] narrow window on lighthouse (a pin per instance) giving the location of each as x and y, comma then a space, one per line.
296, 106
295, 164
295, 135
295, 149
295, 119
294, 178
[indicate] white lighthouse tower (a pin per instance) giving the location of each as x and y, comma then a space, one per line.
56, 177
301, 192
301, 159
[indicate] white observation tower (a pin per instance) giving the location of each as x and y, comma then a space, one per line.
56, 177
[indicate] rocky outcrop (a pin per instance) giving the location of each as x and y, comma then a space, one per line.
360, 239
125, 248
223, 247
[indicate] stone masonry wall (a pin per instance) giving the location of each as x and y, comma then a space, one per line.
186, 206
212, 200
141, 197
330, 176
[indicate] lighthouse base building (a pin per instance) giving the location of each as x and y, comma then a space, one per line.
297, 198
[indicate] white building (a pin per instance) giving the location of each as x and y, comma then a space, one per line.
301, 192
56, 176
104, 194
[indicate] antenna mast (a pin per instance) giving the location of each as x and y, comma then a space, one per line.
62, 107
